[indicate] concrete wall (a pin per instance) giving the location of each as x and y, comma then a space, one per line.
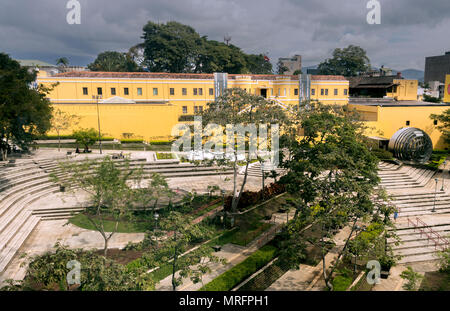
436, 67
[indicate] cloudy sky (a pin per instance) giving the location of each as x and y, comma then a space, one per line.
409, 31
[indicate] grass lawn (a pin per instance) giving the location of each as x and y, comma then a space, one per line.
82, 221
164, 156
435, 281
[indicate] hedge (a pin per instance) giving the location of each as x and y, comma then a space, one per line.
131, 140
55, 137
160, 142
231, 278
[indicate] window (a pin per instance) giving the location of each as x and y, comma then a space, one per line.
408, 123
335, 92
200, 109
139, 91
195, 109
85, 91
326, 92
172, 91
313, 91
113, 91
99, 91
322, 91
211, 91
295, 91
285, 92
184, 92
125, 91
195, 91
200, 91
155, 91
435, 122
345, 92
185, 109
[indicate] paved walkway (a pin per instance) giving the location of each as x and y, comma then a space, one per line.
234, 254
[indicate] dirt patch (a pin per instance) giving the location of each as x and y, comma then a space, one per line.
121, 256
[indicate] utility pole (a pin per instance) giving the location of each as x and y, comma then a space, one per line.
97, 97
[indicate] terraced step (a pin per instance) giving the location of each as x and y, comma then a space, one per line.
418, 258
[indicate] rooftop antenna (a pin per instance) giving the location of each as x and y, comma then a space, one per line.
227, 39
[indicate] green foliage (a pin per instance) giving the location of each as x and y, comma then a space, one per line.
347, 62
86, 137
431, 99
125, 226
174, 47
164, 156
49, 271
160, 142
131, 140
444, 261
240, 272
24, 111
115, 62
342, 280
382, 154
412, 279
443, 124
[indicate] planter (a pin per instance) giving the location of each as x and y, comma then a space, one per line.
62, 188
384, 274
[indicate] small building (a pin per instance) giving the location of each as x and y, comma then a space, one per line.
393, 87
446, 90
291, 63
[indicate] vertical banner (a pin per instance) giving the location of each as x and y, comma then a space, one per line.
304, 87
220, 83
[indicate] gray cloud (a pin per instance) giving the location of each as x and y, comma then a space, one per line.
410, 29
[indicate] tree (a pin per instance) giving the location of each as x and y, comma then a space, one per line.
297, 72
216, 56
443, 124
412, 277
170, 47
114, 61
62, 121
346, 62
49, 271
258, 64
179, 233
62, 61
24, 111
86, 137
107, 183
332, 173
237, 107
281, 68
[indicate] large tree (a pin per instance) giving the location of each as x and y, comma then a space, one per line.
333, 174
346, 62
24, 110
258, 64
443, 124
62, 121
114, 61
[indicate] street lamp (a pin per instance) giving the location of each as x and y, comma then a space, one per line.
97, 97
443, 173
156, 220
435, 191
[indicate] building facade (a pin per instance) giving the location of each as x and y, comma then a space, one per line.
291, 63
447, 89
437, 67
150, 104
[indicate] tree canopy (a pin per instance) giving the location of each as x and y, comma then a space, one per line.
174, 47
444, 124
347, 62
24, 110
114, 61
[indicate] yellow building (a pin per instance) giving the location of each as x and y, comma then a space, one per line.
394, 87
384, 119
150, 104
447, 89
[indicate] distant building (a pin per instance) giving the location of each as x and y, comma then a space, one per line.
393, 87
436, 67
292, 64
382, 72
45, 69
446, 90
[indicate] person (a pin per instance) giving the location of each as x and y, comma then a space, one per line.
77, 150
395, 215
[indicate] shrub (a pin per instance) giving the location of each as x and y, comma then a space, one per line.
226, 281
160, 142
164, 156
249, 198
383, 154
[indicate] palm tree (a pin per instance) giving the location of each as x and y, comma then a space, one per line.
62, 61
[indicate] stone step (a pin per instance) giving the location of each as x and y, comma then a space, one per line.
419, 200
195, 174
13, 227
56, 212
417, 244
438, 211
418, 258
431, 249
20, 181
8, 253
425, 205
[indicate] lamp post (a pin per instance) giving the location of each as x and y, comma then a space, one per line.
97, 97
156, 215
443, 173
435, 191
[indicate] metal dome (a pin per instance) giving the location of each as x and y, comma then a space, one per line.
411, 144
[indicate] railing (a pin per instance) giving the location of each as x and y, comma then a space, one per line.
424, 229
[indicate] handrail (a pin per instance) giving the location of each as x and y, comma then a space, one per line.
421, 226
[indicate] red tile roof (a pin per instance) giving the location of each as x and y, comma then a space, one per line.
166, 75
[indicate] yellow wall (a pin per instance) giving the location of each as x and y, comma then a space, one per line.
160, 112
404, 90
385, 121
447, 89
